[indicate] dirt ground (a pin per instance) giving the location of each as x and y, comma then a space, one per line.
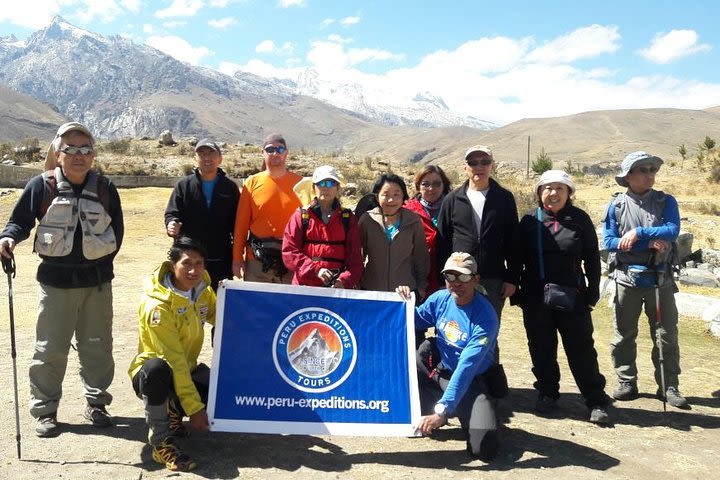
644, 443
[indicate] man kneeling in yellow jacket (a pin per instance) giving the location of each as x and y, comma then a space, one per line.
176, 304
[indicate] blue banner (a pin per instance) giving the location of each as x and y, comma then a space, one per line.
309, 360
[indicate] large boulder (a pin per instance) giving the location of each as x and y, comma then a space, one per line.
166, 139
696, 276
711, 257
684, 243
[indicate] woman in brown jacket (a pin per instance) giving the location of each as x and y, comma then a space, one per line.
393, 241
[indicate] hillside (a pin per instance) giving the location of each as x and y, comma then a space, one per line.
22, 116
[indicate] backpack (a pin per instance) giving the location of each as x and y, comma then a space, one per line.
50, 191
305, 216
616, 208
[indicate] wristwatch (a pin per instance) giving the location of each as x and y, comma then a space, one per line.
441, 409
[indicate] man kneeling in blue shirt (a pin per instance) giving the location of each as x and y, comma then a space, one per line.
451, 365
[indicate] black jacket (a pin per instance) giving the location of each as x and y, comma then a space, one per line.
570, 254
457, 232
73, 270
213, 227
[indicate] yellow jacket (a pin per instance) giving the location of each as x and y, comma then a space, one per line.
171, 328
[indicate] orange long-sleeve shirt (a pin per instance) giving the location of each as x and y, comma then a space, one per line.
265, 207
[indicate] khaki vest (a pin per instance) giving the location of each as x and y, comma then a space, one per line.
56, 232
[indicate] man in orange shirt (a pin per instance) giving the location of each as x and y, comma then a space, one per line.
267, 202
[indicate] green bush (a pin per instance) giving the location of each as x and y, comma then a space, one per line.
118, 146
542, 163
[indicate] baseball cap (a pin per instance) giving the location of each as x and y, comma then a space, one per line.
207, 142
460, 262
632, 159
50, 160
325, 172
478, 148
555, 176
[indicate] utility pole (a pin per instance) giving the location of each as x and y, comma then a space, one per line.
527, 171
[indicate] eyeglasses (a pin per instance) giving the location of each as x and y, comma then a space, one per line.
461, 277
474, 162
645, 170
272, 149
75, 150
327, 183
435, 184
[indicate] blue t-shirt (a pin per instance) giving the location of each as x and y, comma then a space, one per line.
208, 186
466, 338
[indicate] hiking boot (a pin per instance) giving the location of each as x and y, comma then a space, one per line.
545, 404
626, 391
177, 428
599, 415
172, 457
47, 426
673, 397
98, 416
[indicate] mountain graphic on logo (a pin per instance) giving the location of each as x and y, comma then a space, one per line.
313, 357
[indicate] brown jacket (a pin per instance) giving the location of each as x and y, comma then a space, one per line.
404, 261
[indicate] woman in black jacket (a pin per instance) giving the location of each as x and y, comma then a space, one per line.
564, 253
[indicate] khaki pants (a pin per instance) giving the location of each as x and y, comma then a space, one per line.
254, 273
63, 312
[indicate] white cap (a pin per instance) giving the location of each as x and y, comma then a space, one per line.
478, 148
326, 172
555, 176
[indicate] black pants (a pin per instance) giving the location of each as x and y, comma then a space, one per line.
432, 384
155, 381
576, 329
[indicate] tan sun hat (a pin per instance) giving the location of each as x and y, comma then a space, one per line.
50, 157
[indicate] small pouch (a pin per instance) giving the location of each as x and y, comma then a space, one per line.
559, 297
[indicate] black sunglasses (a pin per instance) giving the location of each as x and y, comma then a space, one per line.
271, 149
474, 162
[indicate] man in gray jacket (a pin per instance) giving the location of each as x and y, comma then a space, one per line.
639, 228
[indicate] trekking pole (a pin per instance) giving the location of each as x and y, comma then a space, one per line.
659, 332
8, 265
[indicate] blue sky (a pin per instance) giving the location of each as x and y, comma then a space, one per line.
496, 60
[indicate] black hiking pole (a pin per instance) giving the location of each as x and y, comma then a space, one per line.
8, 265
659, 332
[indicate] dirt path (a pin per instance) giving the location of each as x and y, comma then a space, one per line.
645, 443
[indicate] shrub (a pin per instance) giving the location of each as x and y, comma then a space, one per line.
542, 163
187, 168
715, 172
118, 146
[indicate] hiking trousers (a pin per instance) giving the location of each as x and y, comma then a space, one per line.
63, 312
629, 303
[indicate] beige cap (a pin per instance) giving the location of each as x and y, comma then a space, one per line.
478, 148
461, 262
326, 172
50, 158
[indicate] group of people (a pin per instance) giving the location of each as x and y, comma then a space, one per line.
460, 252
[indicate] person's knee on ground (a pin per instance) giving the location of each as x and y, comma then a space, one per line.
482, 432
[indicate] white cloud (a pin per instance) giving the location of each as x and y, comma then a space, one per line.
291, 3
222, 23
174, 24
179, 48
229, 68
335, 38
180, 8
33, 16
327, 22
38, 13
585, 42
331, 55
676, 44
148, 28
350, 21
132, 5
266, 46
219, 3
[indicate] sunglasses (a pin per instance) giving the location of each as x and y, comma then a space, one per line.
461, 277
435, 184
271, 149
76, 150
473, 162
645, 170
327, 183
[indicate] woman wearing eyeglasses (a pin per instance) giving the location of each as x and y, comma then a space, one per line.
393, 241
431, 185
321, 244
556, 243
